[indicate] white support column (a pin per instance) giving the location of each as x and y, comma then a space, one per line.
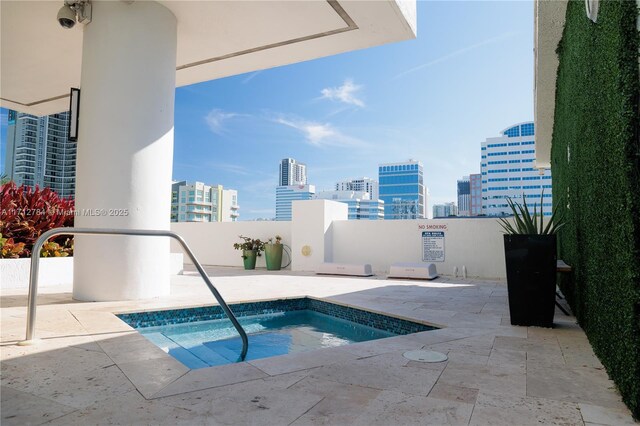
125, 150
312, 232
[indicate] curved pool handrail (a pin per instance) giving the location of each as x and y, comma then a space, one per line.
35, 263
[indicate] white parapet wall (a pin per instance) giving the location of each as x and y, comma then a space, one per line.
212, 242
475, 244
14, 273
319, 234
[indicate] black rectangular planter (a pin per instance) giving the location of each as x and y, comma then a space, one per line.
531, 278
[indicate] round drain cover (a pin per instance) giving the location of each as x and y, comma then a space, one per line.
425, 356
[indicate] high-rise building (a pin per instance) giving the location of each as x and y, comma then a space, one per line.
361, 206
287, 194
475, 182
507, 171
363, 184
39, 152
464, 196
197, 202
445, 210
402, 190
292, 173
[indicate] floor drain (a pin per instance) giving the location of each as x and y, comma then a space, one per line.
425, 356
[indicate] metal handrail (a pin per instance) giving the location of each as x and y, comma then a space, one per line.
35, 263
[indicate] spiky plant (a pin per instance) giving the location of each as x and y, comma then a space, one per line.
531, 224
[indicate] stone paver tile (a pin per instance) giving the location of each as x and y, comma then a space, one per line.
388, 372
577, 384
20, 408
237, 390
512, 410
341, 403
210, 377
382, 346
606, 416
542, 350
302, 361
396, 408
454, 393
275, 407
150, 376
76, 389
130, 347
508, 358
497, 380
126, 409
464, 358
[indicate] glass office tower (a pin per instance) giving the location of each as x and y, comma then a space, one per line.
402, 189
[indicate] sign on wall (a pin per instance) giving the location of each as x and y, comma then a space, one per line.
433, 246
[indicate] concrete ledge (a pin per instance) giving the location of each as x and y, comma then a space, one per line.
14, 273
357, 270
421, 271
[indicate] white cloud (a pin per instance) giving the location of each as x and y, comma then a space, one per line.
251, 76
320, 134
458, 52
347, 93
217, 118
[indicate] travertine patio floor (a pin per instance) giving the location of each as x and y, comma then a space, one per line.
91, 368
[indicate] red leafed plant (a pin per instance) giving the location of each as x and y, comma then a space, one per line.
26, 213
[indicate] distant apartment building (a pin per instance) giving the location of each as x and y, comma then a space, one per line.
361, 206
507, 171
402, 189
38, 152
464, 196
363, 184
475, 183
292, 186
445, 210
286, 195
197, 202
292, 173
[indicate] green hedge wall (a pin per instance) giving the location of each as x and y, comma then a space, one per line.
596, 177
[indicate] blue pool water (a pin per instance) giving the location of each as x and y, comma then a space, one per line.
204, 337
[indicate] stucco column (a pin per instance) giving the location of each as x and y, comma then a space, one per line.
125, 150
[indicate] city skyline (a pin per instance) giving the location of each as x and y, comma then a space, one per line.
344, 115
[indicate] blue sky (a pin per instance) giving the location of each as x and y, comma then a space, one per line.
468, 75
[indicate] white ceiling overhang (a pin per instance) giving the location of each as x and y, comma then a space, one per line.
40, 61
549, 24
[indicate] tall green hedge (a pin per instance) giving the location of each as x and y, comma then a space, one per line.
596, 176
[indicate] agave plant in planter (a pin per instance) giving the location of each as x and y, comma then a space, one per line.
251, 249
531, 260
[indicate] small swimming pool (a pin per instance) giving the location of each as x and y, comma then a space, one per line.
204, 337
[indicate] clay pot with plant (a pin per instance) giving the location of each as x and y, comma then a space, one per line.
251, 250
273, 253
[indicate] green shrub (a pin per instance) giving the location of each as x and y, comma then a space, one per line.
596, 171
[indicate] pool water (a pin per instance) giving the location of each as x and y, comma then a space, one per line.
216, 342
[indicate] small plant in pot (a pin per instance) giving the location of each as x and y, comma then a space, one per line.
273, 253
251, 249
531, 260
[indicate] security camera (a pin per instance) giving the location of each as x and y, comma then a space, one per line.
66, 16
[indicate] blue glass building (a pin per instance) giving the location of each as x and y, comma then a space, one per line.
507, 164
401, 187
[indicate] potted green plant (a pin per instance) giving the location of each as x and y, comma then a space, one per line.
251, 249
531, 260
273, 253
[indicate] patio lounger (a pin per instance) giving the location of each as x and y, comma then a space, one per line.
357, 270
420, 271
